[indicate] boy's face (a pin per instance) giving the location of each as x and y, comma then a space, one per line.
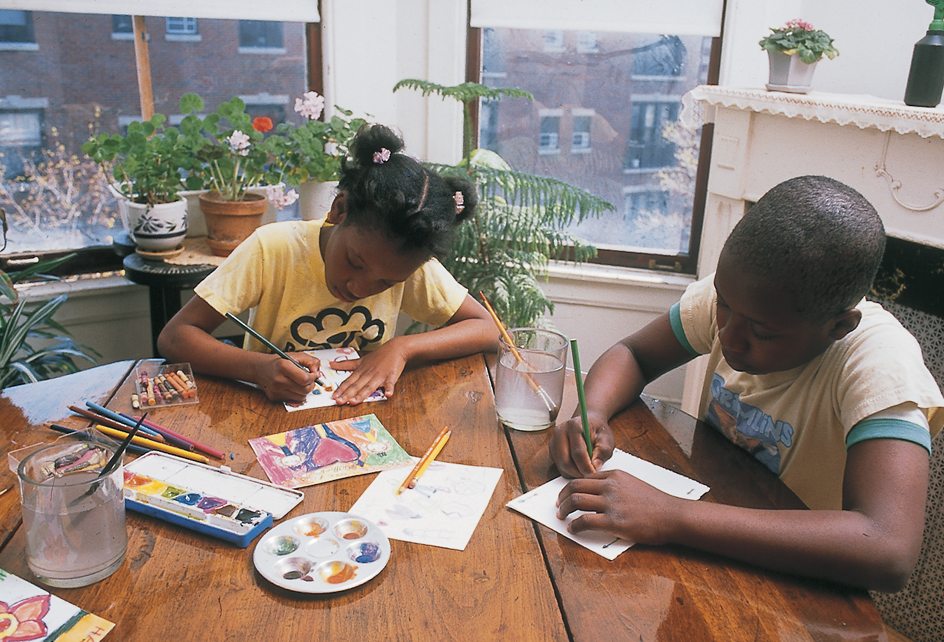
759, 328
361, 262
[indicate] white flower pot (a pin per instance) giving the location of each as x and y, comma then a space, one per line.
315, 198
789, 73
156, 228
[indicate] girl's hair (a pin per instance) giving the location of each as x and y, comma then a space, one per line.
390, 191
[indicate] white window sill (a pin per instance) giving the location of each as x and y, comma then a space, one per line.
611, 274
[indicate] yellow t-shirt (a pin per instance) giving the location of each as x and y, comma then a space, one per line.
279, 271
796, 422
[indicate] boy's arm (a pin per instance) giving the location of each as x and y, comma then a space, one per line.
187, 338
872, 543
469, 330
613, 383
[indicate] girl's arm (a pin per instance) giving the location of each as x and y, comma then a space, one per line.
873, 542
187, 338
470, 330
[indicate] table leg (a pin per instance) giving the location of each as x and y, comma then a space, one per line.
165, 303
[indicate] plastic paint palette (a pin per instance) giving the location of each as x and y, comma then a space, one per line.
322, 553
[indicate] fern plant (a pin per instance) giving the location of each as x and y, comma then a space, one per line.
21, 324
518, 226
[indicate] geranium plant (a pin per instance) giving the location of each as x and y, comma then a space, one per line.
800, 38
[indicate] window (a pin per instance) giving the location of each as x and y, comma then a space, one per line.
260, 34
549, 139
580, 142
16, 28
35, 127
618, 102
648, 148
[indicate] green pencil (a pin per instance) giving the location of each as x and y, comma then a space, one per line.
269, 344
581, 398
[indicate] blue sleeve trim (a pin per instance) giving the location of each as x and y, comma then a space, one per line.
887, 428
675, 318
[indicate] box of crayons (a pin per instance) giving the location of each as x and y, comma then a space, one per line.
163, 384
213, 501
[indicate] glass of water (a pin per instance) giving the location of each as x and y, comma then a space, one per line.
529, 378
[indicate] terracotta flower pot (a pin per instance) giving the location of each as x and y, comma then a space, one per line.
229, 223
789, 73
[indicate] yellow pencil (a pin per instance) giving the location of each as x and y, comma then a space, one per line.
155, 445
425, 460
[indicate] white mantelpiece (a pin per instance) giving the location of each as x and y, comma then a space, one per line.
891, 153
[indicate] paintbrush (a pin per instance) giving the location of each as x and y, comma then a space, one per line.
112, 464
245, 326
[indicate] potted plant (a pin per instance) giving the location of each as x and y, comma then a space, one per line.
793, 51
144, 168
518, 224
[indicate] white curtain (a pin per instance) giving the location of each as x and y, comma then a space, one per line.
671, 17
277, 10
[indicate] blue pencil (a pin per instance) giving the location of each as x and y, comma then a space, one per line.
114, 416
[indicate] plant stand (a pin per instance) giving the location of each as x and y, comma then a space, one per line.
789, 73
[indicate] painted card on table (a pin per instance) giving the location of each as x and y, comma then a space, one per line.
320, 397
324, 452
28, 613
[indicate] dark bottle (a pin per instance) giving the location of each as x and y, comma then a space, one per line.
926, 78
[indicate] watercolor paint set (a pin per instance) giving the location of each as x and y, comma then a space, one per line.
322, 552
163, 384
214, 501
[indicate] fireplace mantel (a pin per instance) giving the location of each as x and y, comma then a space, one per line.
891, 153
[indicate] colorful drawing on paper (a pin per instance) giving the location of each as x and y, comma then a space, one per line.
442, 510
320, 397
29, 613
324, 452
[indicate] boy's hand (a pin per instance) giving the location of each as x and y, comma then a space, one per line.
378, 369
569, 447
619, 504
282, 380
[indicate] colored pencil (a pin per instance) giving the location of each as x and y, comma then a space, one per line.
111, 422
425, 460
582, 399
167, 432
137, 450
269, 344
541, 392
169, 438
142, 441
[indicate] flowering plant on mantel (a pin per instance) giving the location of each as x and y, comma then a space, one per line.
800, 38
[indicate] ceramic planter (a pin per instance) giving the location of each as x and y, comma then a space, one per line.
156, 228
315, 198
789, 73
229, 223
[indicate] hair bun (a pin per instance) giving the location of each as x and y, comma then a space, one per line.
375, 144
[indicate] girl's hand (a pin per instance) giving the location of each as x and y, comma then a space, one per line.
282, 380
378, 369
569, 446
619, 504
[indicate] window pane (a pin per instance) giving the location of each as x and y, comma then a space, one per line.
48, 108
616, 98
260, 33
16, 26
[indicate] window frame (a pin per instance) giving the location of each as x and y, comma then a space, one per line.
682, 262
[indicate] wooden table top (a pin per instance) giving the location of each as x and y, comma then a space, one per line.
514, 581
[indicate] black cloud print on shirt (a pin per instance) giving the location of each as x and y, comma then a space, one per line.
356, 329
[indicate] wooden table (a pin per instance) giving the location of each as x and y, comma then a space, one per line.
514, 581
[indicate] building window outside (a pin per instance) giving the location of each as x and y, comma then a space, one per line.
122, 25
549, 139
636, 142
260, 34
181, 26
648, 148
16, 26
20, 138
587, 42
553, 41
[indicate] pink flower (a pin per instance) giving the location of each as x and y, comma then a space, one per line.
312, 106
382, 156
279, 197
239, 143
799, 25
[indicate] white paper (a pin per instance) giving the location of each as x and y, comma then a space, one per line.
442, 510
320, 397
540, 504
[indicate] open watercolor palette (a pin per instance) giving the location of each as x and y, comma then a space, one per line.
214, 501
322, 553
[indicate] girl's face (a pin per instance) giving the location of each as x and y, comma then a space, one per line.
361, 262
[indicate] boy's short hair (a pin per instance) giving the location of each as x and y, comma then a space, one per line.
818, 238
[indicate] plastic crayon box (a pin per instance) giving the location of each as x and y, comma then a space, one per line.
163, 384
214, 501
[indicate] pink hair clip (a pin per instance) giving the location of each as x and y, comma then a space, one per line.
460, 202
382, 156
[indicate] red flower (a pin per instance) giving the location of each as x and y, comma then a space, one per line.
262, 124
24, 620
